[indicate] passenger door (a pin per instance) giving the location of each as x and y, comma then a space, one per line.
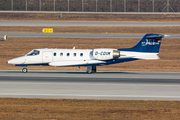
47, 57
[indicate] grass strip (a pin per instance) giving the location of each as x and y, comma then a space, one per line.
16, 109
92, 17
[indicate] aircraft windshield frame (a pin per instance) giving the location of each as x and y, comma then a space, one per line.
33, 53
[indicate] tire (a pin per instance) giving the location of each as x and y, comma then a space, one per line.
24, 70
88, 72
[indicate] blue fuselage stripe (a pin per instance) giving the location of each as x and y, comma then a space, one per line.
36, 64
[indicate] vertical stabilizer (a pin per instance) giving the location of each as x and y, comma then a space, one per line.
149, 43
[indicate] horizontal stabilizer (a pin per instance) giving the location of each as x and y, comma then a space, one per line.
148, 57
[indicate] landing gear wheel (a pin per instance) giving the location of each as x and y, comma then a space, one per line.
24, 70
89, 72
91, 69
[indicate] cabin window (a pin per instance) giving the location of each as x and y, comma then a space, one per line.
81, 54
61, 54
34, 52
74, 54
68, 54
54, 54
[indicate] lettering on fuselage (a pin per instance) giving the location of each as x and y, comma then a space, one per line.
102, 53
149, 43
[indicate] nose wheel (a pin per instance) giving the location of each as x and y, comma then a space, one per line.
24, 70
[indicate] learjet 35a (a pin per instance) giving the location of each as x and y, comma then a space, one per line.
147, 48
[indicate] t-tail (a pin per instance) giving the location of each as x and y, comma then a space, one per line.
148, 47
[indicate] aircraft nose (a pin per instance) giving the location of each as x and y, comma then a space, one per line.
10, 61
16, 61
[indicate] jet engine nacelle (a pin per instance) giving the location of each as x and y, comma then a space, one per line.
105, 54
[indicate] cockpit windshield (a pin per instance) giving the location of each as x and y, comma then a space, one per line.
34, 52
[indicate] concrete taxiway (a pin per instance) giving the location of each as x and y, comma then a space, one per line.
101, 85
77, 35
100, 24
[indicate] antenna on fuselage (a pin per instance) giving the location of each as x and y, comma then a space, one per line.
74, 47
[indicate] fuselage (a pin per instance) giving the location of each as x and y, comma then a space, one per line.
74, 57
45, 56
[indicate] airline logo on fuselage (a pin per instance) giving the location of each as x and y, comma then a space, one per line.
102, 53
149, 43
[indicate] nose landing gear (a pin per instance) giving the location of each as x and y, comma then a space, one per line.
24, 70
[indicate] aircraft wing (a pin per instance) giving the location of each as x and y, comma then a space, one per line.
63, 63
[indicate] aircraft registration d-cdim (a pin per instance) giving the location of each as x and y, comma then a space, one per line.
147, 48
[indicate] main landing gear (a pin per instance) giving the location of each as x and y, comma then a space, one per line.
24, 70
91, 69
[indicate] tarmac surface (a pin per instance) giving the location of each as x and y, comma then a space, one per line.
101, 85
54, 23
77, 35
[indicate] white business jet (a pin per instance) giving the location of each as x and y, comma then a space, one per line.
147, 48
